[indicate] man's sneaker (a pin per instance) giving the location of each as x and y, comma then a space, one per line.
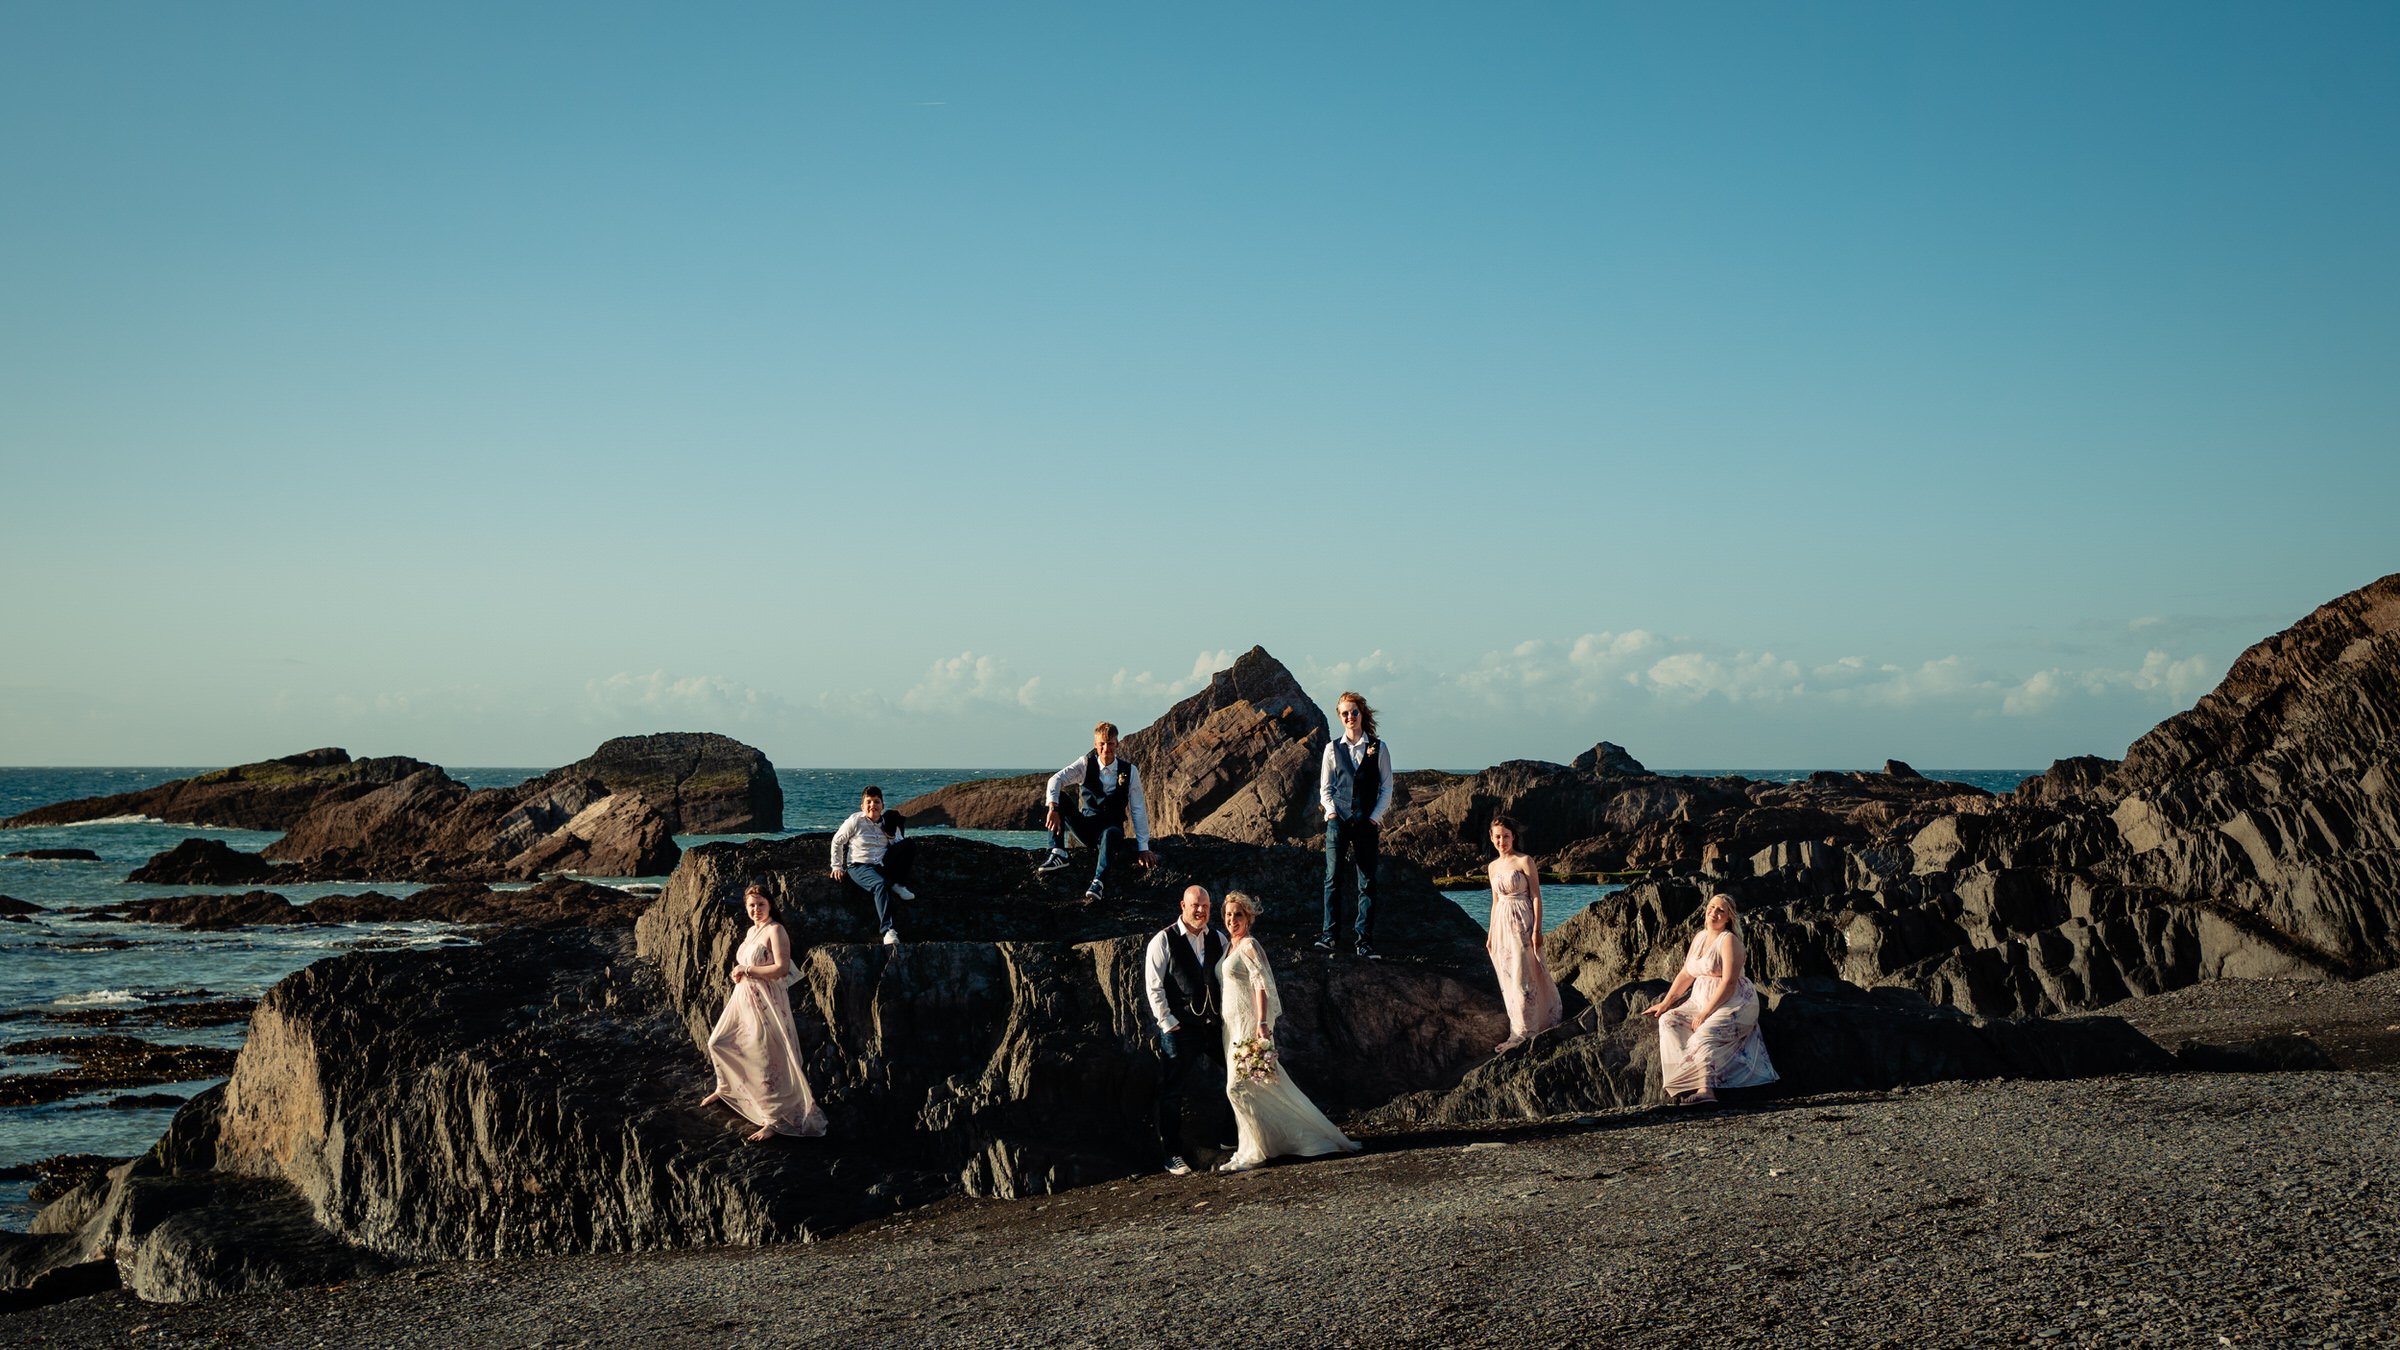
1094, 893
1057, 861
903, 892
1367, 953
1325, 945
1177, 1167
891, 937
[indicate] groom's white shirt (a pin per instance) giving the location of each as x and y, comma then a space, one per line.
1154, 971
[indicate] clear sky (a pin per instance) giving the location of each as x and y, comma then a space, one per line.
890, 385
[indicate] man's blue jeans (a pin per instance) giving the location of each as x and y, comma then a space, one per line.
869, 878
1102, 839
1353, 845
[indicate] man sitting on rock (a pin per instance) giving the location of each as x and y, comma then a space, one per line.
859, 848
1108, 795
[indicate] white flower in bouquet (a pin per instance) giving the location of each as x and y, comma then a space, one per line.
1254, 1058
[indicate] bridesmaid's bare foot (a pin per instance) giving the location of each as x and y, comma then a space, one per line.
765, 1132
711, 1100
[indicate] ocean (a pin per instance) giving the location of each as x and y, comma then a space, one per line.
60, 972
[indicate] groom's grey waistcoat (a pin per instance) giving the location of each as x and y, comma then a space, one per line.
1191, 987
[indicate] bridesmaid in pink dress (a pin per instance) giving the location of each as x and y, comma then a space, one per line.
1711, 1040
755, 1048
1515, 940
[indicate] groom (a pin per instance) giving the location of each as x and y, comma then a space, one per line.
1179, 972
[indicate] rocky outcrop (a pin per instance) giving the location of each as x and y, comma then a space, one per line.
13, 908
1823, 1035
207, 862
429, 827
269, 795
53, 854
1609, 759
1238, 760
612, 814
702, 782
536, 1094
2257, 835
1606, 814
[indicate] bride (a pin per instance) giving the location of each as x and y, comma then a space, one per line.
1272, 1118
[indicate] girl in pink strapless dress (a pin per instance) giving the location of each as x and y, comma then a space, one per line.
1514, 941
1711, 1040
755, 1048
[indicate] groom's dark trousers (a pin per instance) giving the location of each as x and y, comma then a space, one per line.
1180, 1055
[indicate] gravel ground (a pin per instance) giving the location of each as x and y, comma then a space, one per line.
2190, 1209
2355, 1022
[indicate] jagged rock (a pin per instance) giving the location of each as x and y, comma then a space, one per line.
1579, 820
431, 827
207, 862
53, 854
1609, 759
13, 908
1823, 1035
2069, 779
1897, 768
1238, 760
269, 795
560, 902
108, 1062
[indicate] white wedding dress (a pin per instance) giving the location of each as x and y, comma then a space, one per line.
1273, 1119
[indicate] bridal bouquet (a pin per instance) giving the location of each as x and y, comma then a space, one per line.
1254, 1058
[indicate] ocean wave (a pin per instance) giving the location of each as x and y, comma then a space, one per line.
97, 997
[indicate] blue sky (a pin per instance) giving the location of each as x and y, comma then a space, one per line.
1766, 386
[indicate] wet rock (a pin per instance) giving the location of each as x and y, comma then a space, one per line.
703, 783
52, 854
201, 913
108, 1062
207, 862
1609, 759
17, 910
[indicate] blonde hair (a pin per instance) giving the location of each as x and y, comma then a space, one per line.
1366, 715
1105, 728
1733, 913
1248, 905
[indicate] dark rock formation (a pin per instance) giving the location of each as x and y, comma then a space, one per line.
614, 813
702, 782
558, 902
53, 854
1897, 768
1609, 758
1613, 819
2256, 835
108, 1062
536, 1094
13, 908
1824, 1036
1238, 760
207, 862
1012, 803
205, 912
269, 795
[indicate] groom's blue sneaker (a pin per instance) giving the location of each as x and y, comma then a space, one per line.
1177, 1167
1325, 945
1367, 953
1056, 861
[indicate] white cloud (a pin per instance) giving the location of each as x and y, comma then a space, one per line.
968, 681
1146, 690
710, 697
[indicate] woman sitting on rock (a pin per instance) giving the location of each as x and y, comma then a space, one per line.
1515, 940
755, 1048
1711, 1040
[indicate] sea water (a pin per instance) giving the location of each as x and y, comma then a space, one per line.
62, 960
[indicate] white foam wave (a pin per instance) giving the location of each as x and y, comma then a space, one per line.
99, 996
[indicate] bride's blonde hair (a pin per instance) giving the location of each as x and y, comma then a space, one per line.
1248, 905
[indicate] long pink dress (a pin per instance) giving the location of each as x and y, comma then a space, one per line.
1725, 1051
1526, 988
756, 1051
